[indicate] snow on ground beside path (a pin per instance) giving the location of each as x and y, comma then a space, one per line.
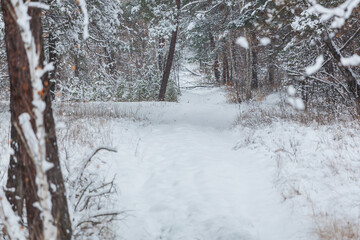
186, 181
183, 171
317, 165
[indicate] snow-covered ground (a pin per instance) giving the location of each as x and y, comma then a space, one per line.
182, 178
186, 171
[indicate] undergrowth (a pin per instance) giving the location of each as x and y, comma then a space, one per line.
315, 158
264, 110
330, 227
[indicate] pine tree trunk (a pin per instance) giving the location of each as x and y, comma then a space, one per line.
249, 67
216, 62
254, 81
53, 59
271, 72
170, 58
225, 69
231, 59
21, 173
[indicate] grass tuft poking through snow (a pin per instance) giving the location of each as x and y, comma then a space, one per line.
317, 164
206, 169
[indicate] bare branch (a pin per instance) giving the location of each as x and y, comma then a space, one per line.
88, 159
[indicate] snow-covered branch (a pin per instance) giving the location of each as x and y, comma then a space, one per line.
11, 222
354, 60
316, 67
339, 13
83, 8
38, 5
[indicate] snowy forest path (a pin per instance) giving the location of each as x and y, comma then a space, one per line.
182, 178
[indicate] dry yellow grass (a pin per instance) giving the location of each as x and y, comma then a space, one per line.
334, 228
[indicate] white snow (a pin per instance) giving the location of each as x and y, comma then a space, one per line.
82, 4
339, 14
182, 178
38, 5
191, 26
354, 60
29, 135
242, 42
316, 67
183, 171
265, 41
291, 91
10, 220
294, 101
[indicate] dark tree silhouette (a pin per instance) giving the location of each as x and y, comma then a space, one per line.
170, 58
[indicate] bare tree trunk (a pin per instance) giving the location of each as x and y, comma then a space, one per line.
271, 73
231, 64
53, 59
170, 58
249, 67
236, 67
225, 69
21, 185
254, 81
216, 62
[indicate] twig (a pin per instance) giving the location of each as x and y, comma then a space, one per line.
88, 159
82, 194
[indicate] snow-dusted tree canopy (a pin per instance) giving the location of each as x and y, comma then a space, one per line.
284, 38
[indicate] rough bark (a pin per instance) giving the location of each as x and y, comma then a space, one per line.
170, 58
53, 59
21, 186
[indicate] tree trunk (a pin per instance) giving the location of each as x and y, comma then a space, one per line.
231, 59
22, 189
254, 81
249, 67
216, 62
271, 72
21, 173
53, 59
225, 69
170, 58
351, 81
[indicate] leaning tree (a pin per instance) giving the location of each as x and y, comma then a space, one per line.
35, 186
